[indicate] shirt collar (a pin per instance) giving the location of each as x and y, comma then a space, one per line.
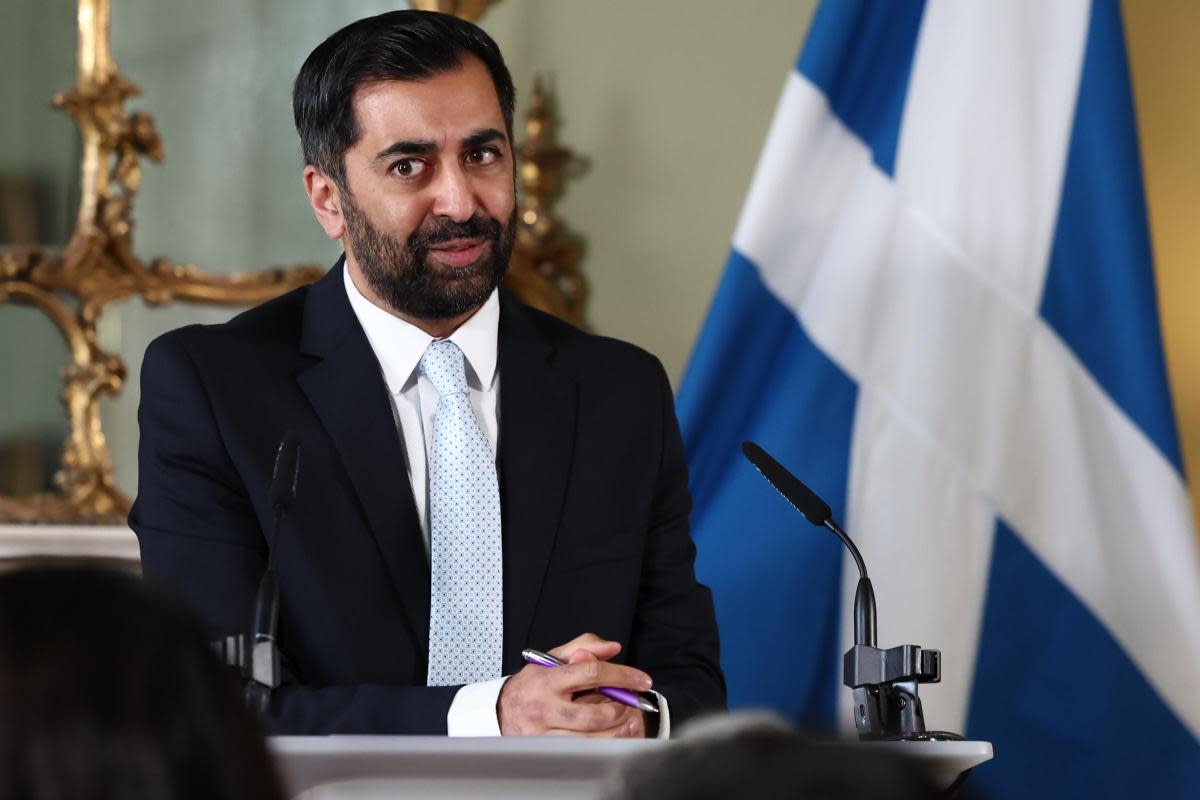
399, 345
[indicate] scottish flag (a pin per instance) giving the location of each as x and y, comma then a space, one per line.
939, 312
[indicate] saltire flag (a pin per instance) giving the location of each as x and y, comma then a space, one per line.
939, 312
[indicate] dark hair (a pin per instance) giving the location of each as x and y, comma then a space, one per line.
108, 690
766, 762
404, 45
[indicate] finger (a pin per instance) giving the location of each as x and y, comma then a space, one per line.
626, 729
587, 717
585, 675
603, 649
616, 733
591, 696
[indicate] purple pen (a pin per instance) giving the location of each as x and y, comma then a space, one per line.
620, 695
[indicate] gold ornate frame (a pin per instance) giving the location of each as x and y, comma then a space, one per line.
98, 267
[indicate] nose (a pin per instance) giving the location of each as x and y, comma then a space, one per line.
454, 195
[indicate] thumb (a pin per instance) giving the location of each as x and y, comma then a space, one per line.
602, 649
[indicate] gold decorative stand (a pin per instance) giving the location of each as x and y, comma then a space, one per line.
98, 267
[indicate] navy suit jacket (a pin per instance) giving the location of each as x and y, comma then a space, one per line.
594, 502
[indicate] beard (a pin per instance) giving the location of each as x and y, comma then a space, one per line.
401, 274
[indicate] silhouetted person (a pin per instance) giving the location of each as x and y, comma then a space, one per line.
760, 758
109, 690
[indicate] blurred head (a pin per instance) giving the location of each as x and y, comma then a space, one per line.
108, 690
405, 120
764, 759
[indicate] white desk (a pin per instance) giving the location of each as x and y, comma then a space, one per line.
111, 542
363, 767
376, 767
944, 761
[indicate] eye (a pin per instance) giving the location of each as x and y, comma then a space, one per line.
409, 167
483, 156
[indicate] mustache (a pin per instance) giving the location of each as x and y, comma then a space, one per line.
441, 230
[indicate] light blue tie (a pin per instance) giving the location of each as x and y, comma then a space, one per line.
466, 609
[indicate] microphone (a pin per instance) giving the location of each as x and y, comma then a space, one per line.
883, 682
817, 511
260, 664
282, 494
286, 474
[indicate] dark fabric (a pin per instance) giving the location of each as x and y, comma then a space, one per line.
593, 488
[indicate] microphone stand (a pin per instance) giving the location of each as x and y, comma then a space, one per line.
261, 669
255, 655
883, 682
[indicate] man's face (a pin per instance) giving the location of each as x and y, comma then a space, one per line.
430, 213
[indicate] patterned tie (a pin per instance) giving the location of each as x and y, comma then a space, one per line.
466, 621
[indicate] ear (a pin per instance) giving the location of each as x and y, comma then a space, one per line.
326, 201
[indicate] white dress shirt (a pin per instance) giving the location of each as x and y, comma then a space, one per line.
398, 346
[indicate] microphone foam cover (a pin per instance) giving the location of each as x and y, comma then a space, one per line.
805, 500
287, 471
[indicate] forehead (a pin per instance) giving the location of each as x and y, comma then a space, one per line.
446, 107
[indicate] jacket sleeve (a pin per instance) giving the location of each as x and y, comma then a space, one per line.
201, 537
674, 635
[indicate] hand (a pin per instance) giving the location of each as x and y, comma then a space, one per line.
562, 700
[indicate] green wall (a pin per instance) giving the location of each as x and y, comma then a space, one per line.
38, 143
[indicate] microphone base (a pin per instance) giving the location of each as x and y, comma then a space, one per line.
924, 736
256, 662
884, 684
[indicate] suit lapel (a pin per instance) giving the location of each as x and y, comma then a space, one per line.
537, 429
349, 396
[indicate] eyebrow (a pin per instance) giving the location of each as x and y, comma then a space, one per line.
484, 137
408, 147
420, 147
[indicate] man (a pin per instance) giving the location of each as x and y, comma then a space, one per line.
443, 523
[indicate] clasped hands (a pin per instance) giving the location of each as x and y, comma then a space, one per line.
541, 701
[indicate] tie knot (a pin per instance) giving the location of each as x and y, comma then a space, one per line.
443, 365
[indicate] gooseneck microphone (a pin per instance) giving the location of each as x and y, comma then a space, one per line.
817, 511
262, 670
883, 682
256, 656
282, 494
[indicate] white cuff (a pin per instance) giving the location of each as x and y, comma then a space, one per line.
664, 716
473, 710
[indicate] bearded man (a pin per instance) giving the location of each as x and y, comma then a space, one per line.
442, 523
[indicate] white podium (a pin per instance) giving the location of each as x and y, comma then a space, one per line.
376, 767
943, 761
24, 543
362, 767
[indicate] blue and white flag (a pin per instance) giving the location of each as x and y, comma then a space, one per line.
939, 312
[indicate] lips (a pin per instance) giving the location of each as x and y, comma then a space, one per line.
459, 252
